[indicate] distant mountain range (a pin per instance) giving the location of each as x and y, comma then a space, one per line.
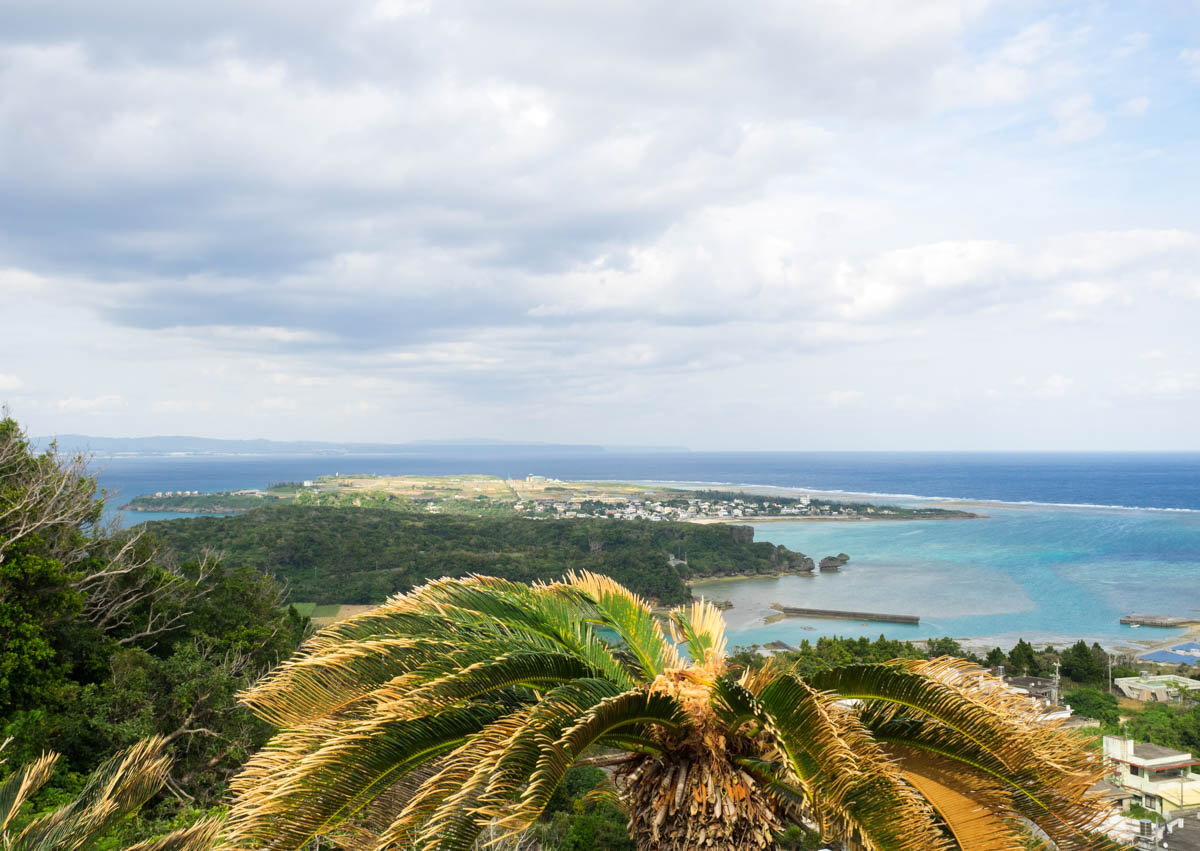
469, 447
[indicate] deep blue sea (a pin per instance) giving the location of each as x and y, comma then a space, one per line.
1070, 541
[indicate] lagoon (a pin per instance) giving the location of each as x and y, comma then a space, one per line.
1045, 573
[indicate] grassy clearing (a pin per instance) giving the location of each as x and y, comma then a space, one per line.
304, 610
340, 612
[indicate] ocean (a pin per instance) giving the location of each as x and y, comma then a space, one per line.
1070, 542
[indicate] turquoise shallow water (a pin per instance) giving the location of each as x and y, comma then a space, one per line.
1040, 571
1047, 574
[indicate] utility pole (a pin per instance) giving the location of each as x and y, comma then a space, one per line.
1109, 672
1057, 696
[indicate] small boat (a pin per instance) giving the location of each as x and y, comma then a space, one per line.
1135, 626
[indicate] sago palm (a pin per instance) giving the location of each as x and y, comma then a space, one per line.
461, 705
113, 792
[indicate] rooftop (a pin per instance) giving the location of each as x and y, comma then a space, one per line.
1148, 751
1028, 682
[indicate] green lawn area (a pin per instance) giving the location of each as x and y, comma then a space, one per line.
326, 610
305, 610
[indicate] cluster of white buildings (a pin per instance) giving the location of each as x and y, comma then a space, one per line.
691, 509
161, 494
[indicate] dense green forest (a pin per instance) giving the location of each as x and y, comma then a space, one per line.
362, 555
105, 640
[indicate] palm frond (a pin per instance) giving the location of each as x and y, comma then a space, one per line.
433, 631
953, 710
631, 618
630, 709
309, 781
201, 836
973, 806
529, 669
851, 783
701, 628
114, 790
22, 784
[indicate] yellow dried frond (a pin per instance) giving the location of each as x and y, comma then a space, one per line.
23, 783
596, 585
974, 807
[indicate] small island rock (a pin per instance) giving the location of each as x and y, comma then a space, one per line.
834, 562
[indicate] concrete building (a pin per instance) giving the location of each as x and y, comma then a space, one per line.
1160, 688
1157, 778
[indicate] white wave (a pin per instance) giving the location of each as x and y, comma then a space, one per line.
918, 497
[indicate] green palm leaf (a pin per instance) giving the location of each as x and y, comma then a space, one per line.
460, 707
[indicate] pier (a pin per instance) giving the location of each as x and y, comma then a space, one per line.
1137, 619
833, 614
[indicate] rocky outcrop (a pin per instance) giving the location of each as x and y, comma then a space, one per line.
834, 562
791, 562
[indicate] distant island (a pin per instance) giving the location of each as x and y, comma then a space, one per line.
166, 446
534, 497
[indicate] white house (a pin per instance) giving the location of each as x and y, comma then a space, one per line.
1158, 778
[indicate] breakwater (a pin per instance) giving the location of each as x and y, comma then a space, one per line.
793, 611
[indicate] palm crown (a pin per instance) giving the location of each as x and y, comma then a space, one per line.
462, 704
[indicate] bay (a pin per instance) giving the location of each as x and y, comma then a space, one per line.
1053, 560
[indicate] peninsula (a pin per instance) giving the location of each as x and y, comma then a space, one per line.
535, 497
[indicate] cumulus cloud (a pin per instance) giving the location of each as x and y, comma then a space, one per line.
10, 382
597, 215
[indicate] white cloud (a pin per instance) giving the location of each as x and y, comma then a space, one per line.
560, 220
1076, 120
841, 398
1136, 106
13, 281
1087, 293
277, 404
1191, 61
181, 406
1172, 384
1132, 43
360, 408
262, 334
1055, 385
95, 405
10, 382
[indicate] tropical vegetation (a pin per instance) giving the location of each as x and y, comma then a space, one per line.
364, 555
458, 709
107, 642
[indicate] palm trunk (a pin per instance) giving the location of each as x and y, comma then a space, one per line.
682, 804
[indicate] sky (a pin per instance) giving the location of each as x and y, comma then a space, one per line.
837, 224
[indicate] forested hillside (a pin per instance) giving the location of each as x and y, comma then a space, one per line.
362, 555
105, 642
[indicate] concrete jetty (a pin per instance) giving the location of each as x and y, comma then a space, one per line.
834, 614
1159, 620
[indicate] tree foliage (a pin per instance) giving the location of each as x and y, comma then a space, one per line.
105, 643
364, 555
462, 707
